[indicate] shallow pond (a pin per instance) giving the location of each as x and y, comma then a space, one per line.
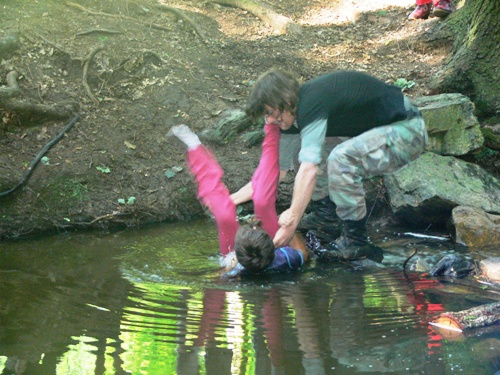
151, 301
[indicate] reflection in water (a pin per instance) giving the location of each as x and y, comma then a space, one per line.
152, 302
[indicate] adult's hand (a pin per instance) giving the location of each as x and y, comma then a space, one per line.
285, 219
284, 236
243, 195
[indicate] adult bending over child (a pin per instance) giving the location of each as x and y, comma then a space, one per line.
385, 131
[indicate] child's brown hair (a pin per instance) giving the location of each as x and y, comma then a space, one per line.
254, 248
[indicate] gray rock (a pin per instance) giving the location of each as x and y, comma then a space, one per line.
453, 129
228, 128
476, 228
252, 139
426, 190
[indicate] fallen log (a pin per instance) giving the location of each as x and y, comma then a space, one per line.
457, 322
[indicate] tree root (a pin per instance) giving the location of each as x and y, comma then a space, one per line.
85, 72
98, 31
26, 109
12, 90
182, 15
120, 16
110, 216
279, 22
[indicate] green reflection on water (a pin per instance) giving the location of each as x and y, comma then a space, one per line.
136, 301
175, 255
79, 359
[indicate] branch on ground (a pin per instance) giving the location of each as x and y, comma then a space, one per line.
279, 22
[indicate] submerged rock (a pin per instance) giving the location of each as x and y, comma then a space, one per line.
454, 266
490, 269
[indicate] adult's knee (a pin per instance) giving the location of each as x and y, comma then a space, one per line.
341, 168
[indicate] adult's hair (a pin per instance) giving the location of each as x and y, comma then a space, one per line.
275, 88
254, 248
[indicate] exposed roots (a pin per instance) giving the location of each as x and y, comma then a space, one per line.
85, 73
277, 21
25, 108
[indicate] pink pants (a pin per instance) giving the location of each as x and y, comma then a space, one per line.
214, 194
422, 2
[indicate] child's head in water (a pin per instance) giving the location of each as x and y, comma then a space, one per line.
254, 248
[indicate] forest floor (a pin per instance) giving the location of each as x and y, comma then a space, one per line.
116, 166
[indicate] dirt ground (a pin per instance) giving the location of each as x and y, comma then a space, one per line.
116, 166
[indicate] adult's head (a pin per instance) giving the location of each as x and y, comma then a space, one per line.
275, 95
254, 248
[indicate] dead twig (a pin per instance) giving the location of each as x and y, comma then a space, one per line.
85, 72
108, 216
40, 155
408, 259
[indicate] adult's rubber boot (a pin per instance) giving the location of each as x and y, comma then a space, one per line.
322, 217
353, 233
353, 244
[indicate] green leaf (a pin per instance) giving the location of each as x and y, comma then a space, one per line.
171, 172
400, 82
103, 169
45, 160
403, 84
131, 200
121, 201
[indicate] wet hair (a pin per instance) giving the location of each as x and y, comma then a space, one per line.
254, 248
275, 88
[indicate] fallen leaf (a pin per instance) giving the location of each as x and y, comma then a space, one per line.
130, 145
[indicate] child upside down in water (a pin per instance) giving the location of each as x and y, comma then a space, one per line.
251, 244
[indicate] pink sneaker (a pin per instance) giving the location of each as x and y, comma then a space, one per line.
442, 8
421, 12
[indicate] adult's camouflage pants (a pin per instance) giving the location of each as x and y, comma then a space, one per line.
376, 152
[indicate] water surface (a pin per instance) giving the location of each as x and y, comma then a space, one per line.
151, 301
